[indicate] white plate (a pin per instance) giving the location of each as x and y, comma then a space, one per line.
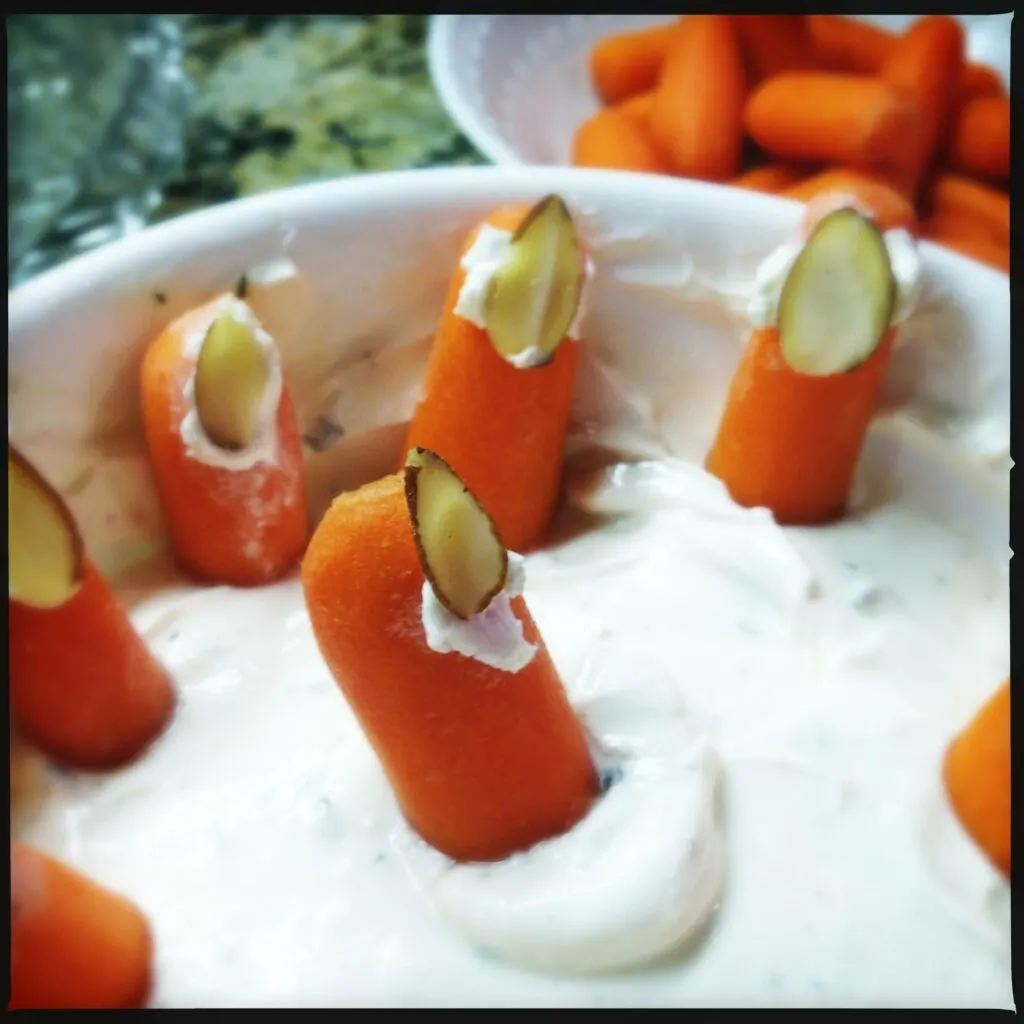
517, 85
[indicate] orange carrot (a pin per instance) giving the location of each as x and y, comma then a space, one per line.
849, 44
822, 117
75, 945
976, 773
924, 67
790, 442
774, 43
961, 197
483, 762
638, 108
980, 80
84, 688
242, 526
964, 238
887, 206
628, 63
979, 141
614, 140
500, 427
772, 178
697, 116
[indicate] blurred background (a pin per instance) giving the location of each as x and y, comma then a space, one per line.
116, 121
119, 120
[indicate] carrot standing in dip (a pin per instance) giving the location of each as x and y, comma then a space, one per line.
414, 602
806, 390
224, 446
74, 944
976, 773
499, 382
84, 688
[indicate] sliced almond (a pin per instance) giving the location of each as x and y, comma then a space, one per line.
838, 298
532, 298
45, 548
232, 374
460, 551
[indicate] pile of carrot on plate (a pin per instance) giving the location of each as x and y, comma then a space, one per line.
796, 104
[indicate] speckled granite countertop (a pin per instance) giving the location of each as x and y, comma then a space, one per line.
292, 98
95, 108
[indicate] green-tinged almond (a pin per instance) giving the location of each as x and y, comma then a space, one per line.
44, 545
838, 298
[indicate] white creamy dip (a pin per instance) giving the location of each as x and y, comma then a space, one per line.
264, 447
773, 271
494, 636
485, 256
827, 668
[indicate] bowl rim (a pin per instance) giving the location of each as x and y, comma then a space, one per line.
440, 30
448, 185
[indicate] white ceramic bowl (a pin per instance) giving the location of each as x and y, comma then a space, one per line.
517, 85
373, 257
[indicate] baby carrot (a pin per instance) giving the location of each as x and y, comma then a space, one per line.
823, 117
483, 762
924, 67
961, 197
75, 945
501, 427
774, 43
790, 442
638, 108
976, 773
84, 688
980, 80
965, 239
889, 208
697, 116
628, 63
772, 178
850, 44
979, 140
235, 505
614, 140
